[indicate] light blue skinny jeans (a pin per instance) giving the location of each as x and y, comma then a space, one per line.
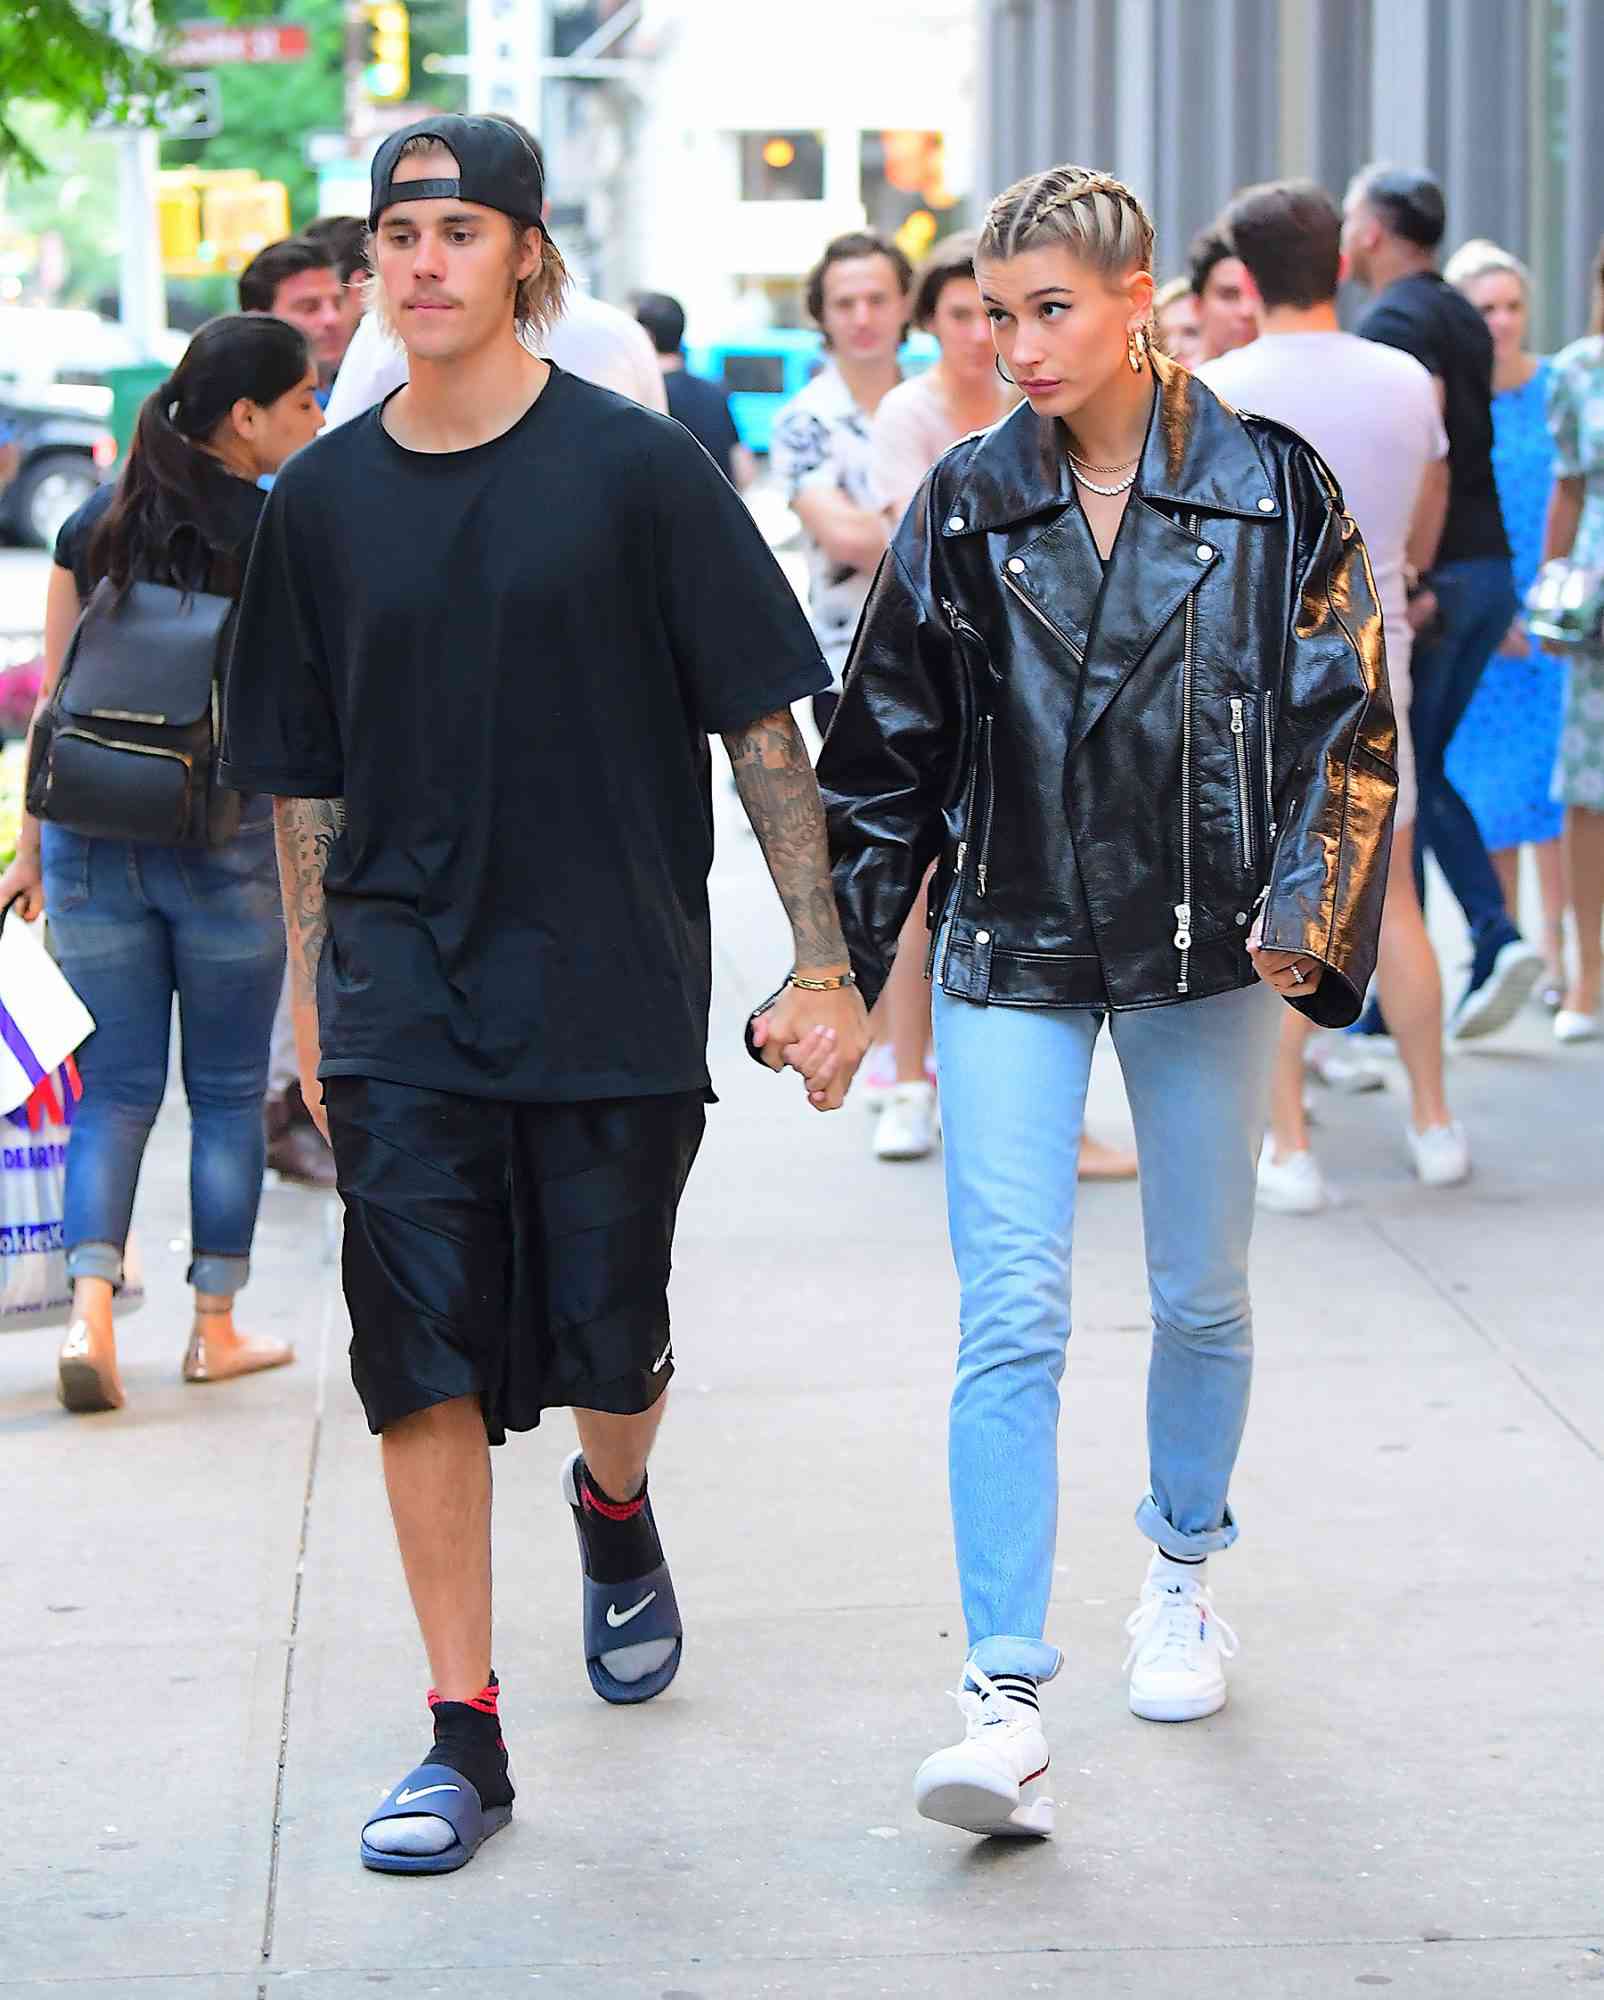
1013, 1096
132, 926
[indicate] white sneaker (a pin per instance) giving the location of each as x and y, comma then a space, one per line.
1179, 1644
1515, 970
907, 1127
1570, 1026
1351, 1071
991, 1782
1290, 1183
1441, 1154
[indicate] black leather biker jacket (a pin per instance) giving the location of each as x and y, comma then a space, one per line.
1117, 771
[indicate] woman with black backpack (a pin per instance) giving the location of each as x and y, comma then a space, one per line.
195, 910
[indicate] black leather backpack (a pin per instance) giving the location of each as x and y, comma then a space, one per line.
127, 748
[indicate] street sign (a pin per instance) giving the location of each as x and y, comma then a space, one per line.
194, 109
199, 44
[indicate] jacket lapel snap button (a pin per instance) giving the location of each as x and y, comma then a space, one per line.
1267, 505
982, 937
955, 525
1204, 552
1016, 564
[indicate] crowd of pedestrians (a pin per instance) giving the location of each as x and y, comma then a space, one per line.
1154, 636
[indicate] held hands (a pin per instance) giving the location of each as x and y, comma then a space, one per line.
1293, 974
823, 1036
24, 879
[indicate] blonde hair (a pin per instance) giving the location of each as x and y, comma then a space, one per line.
1482, 258
540, 297
1090, 213
1172, 293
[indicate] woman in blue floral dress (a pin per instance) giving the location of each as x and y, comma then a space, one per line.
1576, 529
1501, 759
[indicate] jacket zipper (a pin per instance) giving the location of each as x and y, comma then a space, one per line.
982, 752
1036, 611
1269, 771
1183, 909
1244, 801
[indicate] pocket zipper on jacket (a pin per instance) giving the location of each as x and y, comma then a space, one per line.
1036, 611
984, 862
1269, 771
1244, 800
1183, 909
982, 751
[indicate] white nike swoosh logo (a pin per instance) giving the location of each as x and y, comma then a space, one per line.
615, 1617
406, 1798
659, 1363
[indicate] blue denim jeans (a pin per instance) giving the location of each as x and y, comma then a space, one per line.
131, 926
1478, 604
1013, 1094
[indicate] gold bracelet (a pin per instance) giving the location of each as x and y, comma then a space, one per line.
833, 985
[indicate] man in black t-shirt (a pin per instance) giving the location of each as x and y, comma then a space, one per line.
486, 631
701, 406
1393, 222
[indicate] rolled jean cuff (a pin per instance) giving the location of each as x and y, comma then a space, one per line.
219, 1277
1004, 1655
96, 1260
1170, 1539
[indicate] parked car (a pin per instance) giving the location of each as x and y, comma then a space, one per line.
761, 372
45, 346
62, 456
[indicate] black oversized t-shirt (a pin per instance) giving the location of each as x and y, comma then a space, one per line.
1429, 318
507, 661
704, 409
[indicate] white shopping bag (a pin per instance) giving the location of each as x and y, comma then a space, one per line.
34, 1288
41, 1019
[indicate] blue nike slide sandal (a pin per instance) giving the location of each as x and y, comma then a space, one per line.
438, 1792
620, 1615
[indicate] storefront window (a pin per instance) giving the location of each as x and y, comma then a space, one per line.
905, 191
782, 166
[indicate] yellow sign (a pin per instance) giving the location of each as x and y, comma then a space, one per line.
213, 224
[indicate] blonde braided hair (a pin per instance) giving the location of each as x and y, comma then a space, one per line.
1090, 213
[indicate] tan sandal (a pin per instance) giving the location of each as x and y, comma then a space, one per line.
84, 1384
221, 1361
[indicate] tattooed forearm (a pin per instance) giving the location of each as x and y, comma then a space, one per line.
306, 831
781, 797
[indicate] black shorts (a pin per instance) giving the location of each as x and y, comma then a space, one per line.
517, 1252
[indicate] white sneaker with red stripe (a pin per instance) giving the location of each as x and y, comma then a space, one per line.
992, 1781
1179, 1646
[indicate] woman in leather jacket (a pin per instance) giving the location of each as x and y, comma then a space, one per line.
1121, 676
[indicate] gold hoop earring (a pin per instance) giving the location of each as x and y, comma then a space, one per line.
997, 361
1135, 349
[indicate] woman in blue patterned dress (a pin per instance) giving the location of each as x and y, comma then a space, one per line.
1576, 529
1501, 759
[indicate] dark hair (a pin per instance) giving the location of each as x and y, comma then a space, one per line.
953, 257
345, 238
268, 269
1208, 247
164, 488
664, 319
841, 250
1289, 235
1407, 201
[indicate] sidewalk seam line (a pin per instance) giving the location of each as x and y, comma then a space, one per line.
314, 1452
1488, 1337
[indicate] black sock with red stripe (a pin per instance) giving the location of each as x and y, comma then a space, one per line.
620, 1538
467, 1738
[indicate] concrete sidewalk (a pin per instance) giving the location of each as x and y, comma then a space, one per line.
212, 1670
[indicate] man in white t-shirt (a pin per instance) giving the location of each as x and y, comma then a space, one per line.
1373, 414
593, 340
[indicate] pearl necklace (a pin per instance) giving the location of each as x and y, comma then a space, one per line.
1108, 492
1083, 466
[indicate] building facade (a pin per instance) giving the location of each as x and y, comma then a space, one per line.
1188, 100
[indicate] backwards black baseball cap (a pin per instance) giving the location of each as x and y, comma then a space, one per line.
496, 168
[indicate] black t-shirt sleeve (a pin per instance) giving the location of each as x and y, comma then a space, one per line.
743, 646
723, 428
75, 535
280, 732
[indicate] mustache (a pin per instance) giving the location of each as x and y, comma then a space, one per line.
432, 299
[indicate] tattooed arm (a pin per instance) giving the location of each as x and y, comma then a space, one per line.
306, 830
822, 1034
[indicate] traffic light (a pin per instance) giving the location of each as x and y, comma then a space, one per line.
387, 76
